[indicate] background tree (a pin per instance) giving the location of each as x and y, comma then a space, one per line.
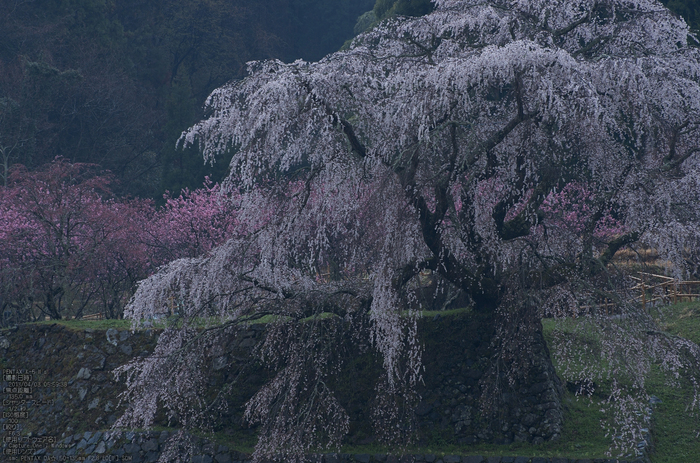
193, 224
688, 9
385, 8
66, 241
144, 70
70, 247
116, 83
11, 138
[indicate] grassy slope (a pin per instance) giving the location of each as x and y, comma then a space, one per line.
675, 427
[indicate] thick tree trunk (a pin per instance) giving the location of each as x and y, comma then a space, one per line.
469, 388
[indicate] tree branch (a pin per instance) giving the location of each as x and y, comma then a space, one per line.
357, 147
615, 246
409, 271
666, 167
572, 26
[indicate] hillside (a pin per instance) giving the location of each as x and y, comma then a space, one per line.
115, 83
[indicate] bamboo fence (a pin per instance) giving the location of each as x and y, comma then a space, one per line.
652, 289
666, 290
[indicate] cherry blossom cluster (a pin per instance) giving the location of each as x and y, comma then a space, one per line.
70, 247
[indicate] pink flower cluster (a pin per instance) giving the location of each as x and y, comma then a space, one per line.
69, 247
574, 209
194, 222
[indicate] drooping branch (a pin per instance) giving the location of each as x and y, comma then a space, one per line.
405, 274
461, 147
591, 45
617, 244
357, 147
572, 26
674, 141
670, 165
499, 136
286, 293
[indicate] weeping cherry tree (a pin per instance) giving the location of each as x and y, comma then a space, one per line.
452, 143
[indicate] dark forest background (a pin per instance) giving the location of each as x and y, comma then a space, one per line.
115, 82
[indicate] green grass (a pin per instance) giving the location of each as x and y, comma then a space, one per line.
320, 316
199, 322
582, 438
444, 313
203, 322
680, 320
583, 334
674, 427
78, 325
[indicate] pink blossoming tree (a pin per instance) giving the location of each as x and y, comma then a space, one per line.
512, 147
69, 246
193, 223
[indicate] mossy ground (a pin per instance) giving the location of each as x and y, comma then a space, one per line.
583, 438
675, 426
675, 429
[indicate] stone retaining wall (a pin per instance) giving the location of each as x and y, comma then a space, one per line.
146, 447
456, 357
79, 394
